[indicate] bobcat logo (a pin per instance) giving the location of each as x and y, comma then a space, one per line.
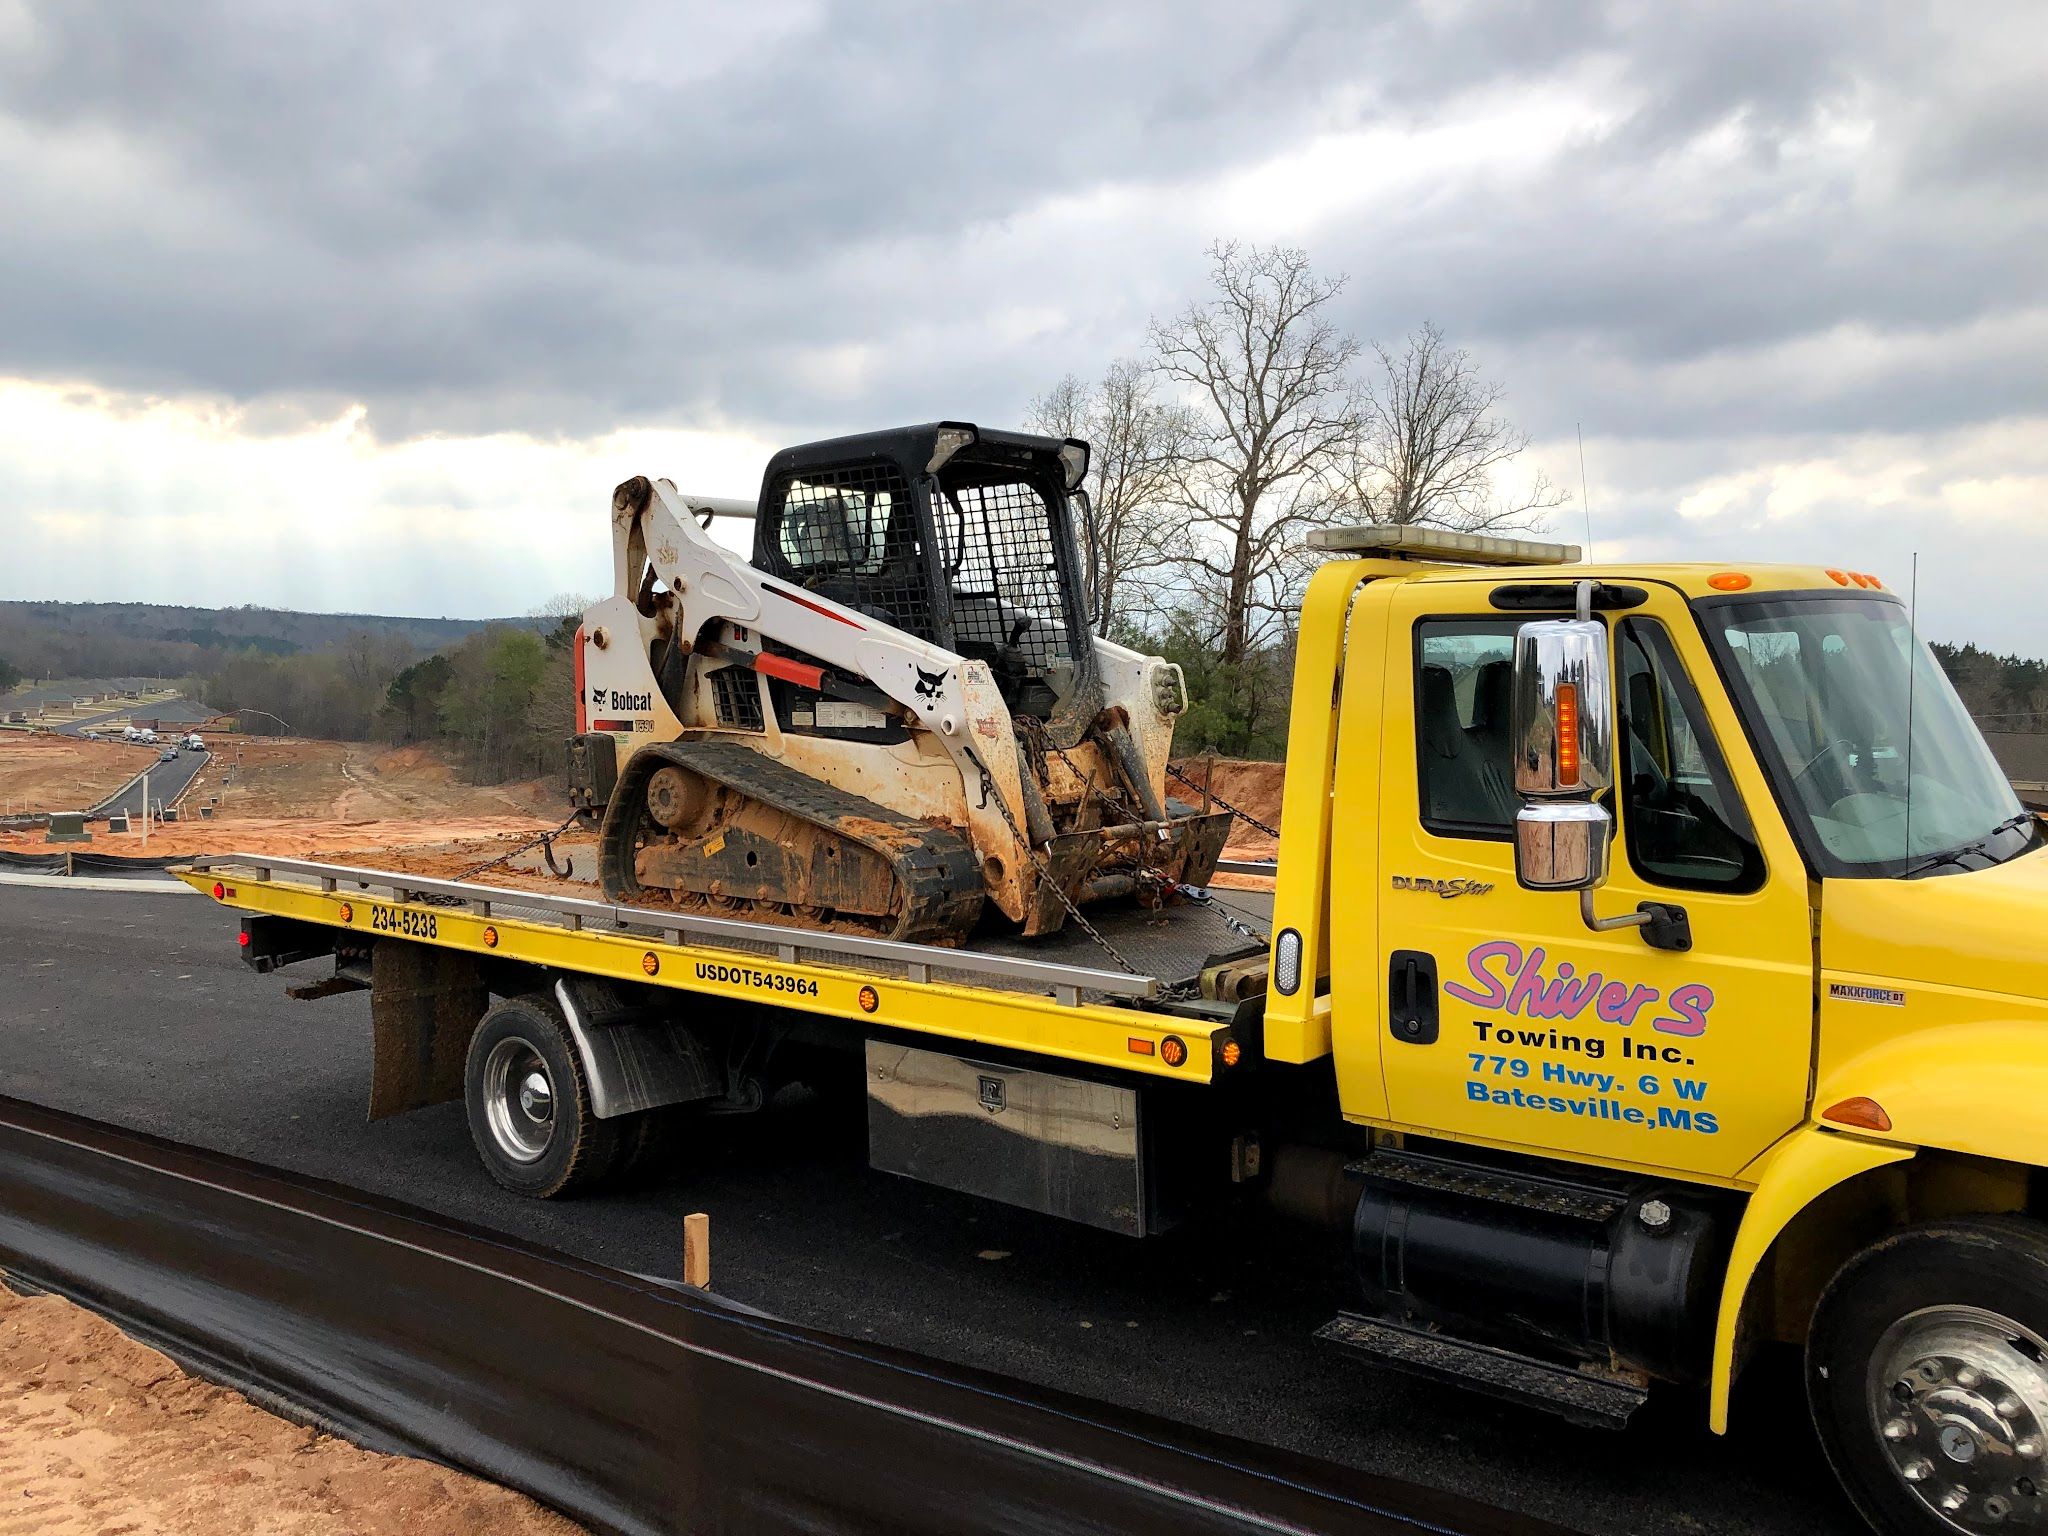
597, 697
928, 683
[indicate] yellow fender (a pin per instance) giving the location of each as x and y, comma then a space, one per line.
1795, 1172
1974, 1087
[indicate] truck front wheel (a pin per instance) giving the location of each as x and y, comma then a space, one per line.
529, 1103
1927, 1372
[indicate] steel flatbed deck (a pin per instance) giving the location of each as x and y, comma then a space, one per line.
994, 995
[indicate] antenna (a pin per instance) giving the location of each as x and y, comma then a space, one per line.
1584, 503
1912, 674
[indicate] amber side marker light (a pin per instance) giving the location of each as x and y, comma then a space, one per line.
1233, 1053
490, 938
1567, 733
651, 963
1729, 581
1138, 1047
346, 913
1864, 1114
1839, 578
1173, 1051
869, 999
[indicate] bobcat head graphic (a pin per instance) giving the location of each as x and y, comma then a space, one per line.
929, 683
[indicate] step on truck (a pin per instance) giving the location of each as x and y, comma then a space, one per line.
1655, 969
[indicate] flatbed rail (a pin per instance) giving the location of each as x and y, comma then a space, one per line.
1108, 1018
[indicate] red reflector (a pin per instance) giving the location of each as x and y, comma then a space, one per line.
243, 938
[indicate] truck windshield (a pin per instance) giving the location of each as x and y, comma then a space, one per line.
1823, 684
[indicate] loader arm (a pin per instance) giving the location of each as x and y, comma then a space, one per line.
954, 698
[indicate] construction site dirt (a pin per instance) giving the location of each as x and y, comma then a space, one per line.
100, 1433
41, 772
410, 808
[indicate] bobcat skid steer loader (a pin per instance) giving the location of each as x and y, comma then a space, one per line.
894, 717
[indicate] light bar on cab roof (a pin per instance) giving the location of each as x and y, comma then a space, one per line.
1442, 544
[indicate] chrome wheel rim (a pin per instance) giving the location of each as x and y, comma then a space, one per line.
1959, 1402
519, 1100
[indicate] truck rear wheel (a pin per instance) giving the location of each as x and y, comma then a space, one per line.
1927, 1372
529, 1103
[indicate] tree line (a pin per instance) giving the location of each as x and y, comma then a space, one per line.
2004, 693
1250, 419
501, 701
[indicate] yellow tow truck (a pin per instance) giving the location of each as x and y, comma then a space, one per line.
1655, 971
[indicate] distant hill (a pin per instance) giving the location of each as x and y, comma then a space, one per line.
42, 640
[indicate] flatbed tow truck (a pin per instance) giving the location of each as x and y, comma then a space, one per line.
1655, 972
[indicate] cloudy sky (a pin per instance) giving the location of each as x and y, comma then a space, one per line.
367, 307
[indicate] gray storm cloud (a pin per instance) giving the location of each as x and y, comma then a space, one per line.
1760, 224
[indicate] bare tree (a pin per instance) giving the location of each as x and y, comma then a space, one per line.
1275, 409
1431, 447
1134, 444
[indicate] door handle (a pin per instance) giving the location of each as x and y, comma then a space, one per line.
1411, 996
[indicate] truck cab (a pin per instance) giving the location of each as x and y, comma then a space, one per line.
1688, 984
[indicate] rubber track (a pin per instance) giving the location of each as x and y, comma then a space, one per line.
940, 880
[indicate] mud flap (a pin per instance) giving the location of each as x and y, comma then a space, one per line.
634, 1059
424, 1006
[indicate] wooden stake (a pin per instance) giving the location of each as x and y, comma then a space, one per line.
697, 1250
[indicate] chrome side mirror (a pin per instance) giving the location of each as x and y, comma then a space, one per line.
1563, 742
1561, 845
1563, 709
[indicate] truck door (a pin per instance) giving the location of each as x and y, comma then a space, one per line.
1508, 1020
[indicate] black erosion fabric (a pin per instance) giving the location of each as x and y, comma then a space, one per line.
116, 863
627, 1403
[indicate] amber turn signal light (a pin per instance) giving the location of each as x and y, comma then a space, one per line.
1864, 1114
1567, 733
346, 913
1173, 1051
651, 963
490, 938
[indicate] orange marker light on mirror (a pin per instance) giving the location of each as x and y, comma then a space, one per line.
1728, 581
1567, 733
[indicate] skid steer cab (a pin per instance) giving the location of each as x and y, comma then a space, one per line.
893, 719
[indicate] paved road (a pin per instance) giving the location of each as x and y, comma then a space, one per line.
165, 782
136, 1009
